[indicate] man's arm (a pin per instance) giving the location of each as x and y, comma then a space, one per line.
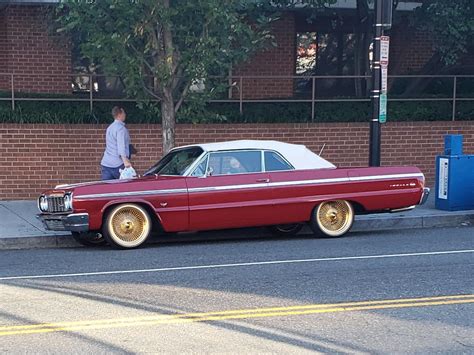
121, 145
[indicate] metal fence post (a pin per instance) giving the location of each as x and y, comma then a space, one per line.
455, 82
91, 89
241, 108
313, 96
13, 93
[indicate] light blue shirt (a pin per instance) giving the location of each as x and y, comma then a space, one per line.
117, 142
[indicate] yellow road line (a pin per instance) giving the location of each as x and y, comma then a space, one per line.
238, 311
235, 314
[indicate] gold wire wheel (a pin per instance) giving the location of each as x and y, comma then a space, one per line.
334, 218
129, 225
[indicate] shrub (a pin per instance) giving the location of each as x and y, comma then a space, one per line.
79, 112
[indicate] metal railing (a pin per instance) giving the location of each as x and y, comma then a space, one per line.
91, 95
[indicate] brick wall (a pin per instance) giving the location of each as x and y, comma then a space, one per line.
37, 157
4, 80
40, 62
410, 49
277, 61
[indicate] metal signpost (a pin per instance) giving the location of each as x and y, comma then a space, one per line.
384, 47
383, 19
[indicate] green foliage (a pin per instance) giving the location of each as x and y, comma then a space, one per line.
77, 113
452, 22
70, 113
175, 42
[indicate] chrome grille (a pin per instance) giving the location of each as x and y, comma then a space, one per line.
56, 204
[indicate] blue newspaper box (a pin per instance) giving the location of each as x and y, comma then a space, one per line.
454, 177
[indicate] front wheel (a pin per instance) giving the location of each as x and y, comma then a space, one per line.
127, 226
332, 218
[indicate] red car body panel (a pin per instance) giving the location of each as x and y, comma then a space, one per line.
255, 199
247, 203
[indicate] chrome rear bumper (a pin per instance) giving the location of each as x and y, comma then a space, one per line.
425, 195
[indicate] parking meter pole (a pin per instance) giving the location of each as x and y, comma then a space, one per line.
375, 132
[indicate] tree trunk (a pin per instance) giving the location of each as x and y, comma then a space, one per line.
168, 120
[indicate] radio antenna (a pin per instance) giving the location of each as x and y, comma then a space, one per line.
322, 148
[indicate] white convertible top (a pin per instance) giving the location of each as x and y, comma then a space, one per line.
298, 155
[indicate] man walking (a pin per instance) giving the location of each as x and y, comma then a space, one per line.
117, 146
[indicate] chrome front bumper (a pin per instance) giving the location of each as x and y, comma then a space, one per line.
425, 195
75, 222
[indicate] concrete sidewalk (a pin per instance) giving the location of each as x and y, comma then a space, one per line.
19, 228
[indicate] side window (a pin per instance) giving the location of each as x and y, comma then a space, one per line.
200, 170
274, 162
235, 162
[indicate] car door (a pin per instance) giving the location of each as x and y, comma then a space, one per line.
295, 192
233, 193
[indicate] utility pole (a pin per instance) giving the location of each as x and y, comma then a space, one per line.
383, 19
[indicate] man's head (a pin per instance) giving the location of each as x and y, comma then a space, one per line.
119, 113
234, 163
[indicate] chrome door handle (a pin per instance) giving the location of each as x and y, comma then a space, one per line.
263, 180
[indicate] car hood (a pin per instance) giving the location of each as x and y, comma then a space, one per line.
115, 182
126, 185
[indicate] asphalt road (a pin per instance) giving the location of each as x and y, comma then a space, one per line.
398, 292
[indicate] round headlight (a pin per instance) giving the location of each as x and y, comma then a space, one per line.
68, 202
43, 204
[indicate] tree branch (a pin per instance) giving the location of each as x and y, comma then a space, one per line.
150, 92
183, 96
148, 65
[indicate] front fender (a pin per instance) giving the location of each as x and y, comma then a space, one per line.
96, 218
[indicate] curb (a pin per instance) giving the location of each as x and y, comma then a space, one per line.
38, 242
406, 221
367, 223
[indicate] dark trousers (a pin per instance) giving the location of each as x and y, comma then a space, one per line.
110, 173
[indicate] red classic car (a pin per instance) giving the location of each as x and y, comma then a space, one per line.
230, 185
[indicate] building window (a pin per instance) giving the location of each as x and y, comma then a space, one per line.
327, 52
306, 52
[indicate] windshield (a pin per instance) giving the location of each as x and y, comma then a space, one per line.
175, 162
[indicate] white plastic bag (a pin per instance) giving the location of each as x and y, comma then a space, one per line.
127, 173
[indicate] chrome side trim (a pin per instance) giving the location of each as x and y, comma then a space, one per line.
228, 187
385, 177
132, 193
309, 182
345, 179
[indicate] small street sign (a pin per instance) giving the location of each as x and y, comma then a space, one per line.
384, 75
384, 45
383, 108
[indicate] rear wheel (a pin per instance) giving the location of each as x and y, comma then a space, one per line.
89, 239
127, 226
332, 218
286, 229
